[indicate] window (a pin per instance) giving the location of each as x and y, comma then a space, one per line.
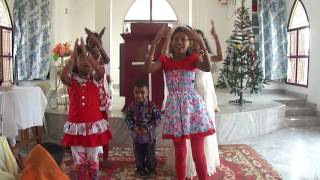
6, 72
298, 45
149, 11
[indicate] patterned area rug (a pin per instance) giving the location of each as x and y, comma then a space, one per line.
238, 161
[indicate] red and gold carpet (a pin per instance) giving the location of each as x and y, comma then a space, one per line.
238, 162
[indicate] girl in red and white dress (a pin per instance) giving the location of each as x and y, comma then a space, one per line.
85, 130
94, 45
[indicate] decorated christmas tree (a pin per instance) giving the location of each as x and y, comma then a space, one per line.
241, 71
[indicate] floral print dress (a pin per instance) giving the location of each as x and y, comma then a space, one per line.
185, 114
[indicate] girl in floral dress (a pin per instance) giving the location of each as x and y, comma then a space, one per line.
186, 115
85, 130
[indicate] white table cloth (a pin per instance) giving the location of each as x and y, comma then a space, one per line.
23, 107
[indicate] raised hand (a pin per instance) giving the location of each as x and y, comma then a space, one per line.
162, 33
74, 54
102, 32
195, 36
99, 70
67, 69
83, 47
218, 57
95, 40
213, 29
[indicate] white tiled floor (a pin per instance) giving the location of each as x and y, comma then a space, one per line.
293, 152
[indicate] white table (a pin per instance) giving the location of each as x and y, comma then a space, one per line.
23, 107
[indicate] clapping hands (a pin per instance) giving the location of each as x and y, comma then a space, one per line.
94, 39
164, 32
140, 130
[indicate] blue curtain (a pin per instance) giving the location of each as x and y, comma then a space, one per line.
31, 19
273, 38
255, 23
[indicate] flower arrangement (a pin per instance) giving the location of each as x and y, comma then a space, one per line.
61, 50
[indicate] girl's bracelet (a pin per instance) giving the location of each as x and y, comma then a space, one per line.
204, 51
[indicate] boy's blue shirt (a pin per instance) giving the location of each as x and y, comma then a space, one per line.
143, 114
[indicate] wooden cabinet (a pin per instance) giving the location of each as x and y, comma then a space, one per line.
132, 58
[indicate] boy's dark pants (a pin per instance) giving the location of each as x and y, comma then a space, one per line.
145, 156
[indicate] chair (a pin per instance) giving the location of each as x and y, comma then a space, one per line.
8, 165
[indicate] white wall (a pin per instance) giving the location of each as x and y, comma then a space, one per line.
182, 10
224, 19
103, 19
118, 10
70, 18
314, 83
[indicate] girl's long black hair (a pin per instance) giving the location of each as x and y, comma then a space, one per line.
205, 41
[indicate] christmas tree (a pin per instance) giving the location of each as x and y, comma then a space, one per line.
241, 71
